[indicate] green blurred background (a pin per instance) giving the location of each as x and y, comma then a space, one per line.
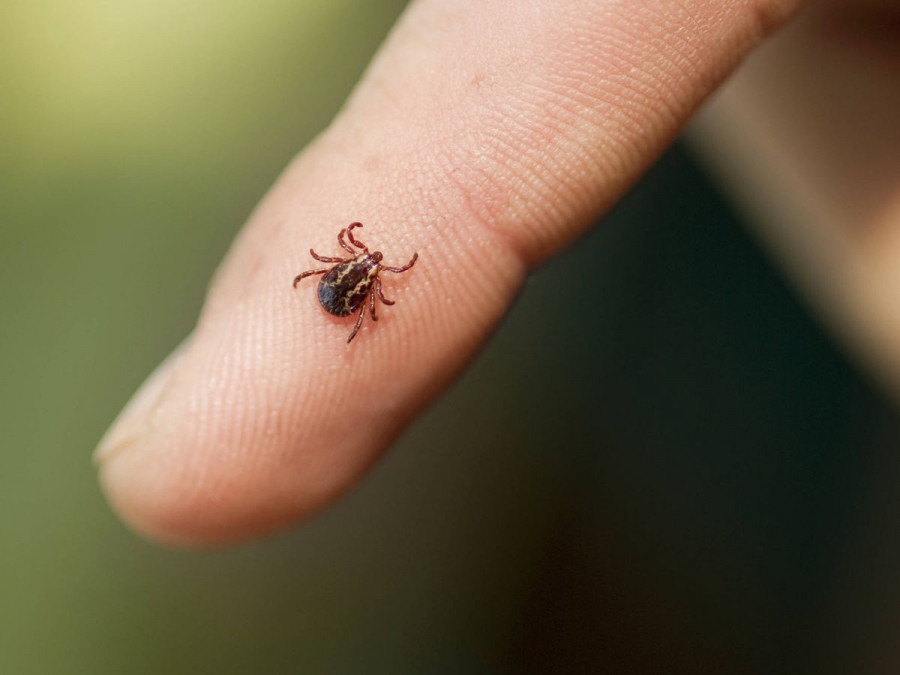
700, 484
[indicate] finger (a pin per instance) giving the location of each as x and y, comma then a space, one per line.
484, 137
812, 123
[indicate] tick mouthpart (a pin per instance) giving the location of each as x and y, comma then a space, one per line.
376, 257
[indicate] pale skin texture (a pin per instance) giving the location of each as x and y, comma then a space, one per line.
483, 131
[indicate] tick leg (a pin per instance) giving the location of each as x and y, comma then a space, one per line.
344, 244
302, 276
353, 239
362, 313
404, 268
323, 258
372, 306
380, 293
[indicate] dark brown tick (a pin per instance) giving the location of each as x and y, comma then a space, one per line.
346, 286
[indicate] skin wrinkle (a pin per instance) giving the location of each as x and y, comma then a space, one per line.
495, 208
537, 169
661, 15
485, 196
539, 201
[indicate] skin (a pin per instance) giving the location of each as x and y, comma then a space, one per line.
483, 130
811, 125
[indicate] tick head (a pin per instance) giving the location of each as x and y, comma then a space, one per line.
376, 257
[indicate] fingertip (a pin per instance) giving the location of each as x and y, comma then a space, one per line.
173, 500
161, 510
165, 495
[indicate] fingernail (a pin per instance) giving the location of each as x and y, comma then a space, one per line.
136, 419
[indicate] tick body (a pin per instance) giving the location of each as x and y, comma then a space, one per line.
352, 283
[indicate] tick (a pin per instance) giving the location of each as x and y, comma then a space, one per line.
353, 281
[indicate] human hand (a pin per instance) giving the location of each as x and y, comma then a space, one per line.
807, 135
486, 137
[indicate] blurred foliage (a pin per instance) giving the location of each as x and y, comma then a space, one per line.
680, 494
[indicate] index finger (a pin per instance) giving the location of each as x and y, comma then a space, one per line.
485, 137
